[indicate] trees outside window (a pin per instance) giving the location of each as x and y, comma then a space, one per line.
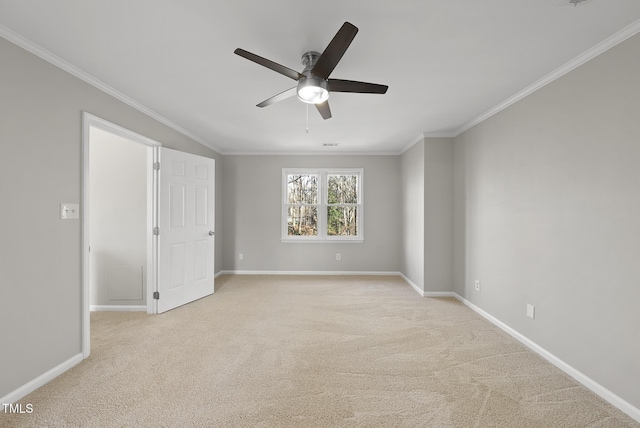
322, 205
302, 205
342, 205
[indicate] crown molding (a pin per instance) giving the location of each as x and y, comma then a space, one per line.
413, 142
586, 56
439, 134
44, 54
424, 136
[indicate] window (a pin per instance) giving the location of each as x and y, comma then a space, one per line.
322, 205
302, 205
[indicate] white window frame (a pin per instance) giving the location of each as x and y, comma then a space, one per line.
323, 174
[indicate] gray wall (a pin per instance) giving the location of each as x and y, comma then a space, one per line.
118, 171
427, 210
252, 209
41, 166
547, 212
438, 214
413, 204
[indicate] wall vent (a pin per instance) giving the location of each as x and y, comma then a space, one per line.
574, 2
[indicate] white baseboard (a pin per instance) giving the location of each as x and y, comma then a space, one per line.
36, 383
117, 308
439, 294
598, 389
305, 272
412, 284
427, 293
585, 380
346, 273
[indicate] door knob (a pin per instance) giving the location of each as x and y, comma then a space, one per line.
211, 233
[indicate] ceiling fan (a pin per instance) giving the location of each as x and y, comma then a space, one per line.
314, 84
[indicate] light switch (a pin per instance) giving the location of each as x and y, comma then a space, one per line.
531, 311
69, 211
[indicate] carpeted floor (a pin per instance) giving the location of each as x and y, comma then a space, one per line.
287, 351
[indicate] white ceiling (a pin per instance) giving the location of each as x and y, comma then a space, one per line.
446, 62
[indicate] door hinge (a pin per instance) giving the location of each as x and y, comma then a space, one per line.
156, 295
156, 166
156, 231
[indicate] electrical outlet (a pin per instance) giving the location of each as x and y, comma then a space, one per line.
337, 256
477, 285
69, 211
240, 256
531, 311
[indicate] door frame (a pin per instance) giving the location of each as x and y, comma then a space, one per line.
89, 121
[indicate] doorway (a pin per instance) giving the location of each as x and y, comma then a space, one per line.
120, 209
179, 227
124, 278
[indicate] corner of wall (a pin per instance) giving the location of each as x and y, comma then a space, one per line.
412, 202
438, 214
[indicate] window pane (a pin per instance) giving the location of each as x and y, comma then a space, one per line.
302, 221
302, 189
342, 189
342, 221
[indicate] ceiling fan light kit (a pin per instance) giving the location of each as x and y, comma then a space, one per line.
312, 89
314, 84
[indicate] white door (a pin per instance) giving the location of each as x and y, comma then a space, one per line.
186, 239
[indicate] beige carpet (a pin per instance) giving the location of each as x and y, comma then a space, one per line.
283, 351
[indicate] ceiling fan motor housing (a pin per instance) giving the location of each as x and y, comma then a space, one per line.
312, 89
309, 60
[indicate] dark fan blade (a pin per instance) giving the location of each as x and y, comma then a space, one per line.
334, 51
269, 64
324, 110
339, 85
281, 96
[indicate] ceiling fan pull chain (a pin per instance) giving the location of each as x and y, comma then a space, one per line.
307, 118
